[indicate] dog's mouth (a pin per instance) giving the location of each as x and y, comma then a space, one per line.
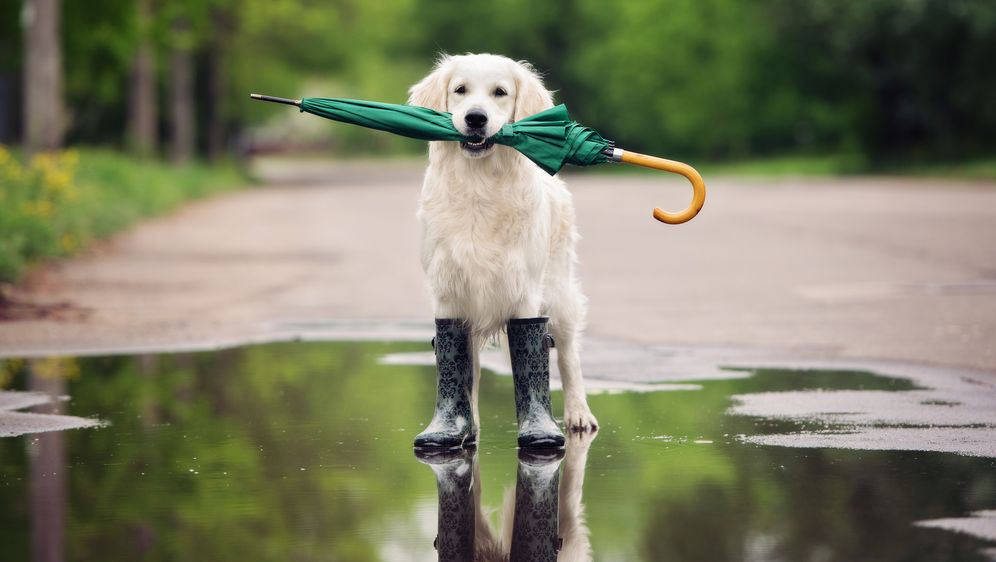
476, 147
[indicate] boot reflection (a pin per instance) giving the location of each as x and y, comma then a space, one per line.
534, 529
542, 518
454, 472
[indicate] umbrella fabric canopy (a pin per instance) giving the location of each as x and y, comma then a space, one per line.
549, 138
410, 121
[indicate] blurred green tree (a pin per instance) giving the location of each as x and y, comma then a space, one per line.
714, 79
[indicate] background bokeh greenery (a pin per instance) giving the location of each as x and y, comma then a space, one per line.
768, 87
879, 80
302, 451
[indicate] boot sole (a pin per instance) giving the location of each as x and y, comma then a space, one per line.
544, 443
468, 442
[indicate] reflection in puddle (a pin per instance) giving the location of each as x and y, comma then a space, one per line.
542, 517
302, 451
982, 524
46, 378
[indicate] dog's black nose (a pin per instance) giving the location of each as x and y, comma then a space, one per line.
476, 119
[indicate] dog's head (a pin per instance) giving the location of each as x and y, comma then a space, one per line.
483, 92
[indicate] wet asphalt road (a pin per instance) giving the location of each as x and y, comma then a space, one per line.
824, 277
850, 269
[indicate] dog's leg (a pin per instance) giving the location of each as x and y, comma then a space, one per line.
565, 322
485, 540
475, 349
574, 531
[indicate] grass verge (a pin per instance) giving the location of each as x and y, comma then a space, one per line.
979, 169
56, 203
828, 165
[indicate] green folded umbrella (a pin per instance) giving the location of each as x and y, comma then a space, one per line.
549, 138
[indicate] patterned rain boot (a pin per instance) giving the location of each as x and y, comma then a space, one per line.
454, 470
529, 346
535, 536
452, 424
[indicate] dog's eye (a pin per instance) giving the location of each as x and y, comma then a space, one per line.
460, 90
499, 92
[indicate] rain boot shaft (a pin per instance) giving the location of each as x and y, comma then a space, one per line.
452, 423
529, 347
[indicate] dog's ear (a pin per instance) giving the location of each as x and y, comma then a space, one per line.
431, 91
531, 96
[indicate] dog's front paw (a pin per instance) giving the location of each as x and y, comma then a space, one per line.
578, 417
578, 442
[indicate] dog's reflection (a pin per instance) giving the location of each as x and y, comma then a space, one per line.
542, 519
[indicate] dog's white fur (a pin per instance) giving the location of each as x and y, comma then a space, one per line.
498, 233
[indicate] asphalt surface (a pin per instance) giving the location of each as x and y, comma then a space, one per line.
891, 275
852, 269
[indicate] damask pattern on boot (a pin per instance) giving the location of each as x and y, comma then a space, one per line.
529, 348
452, 423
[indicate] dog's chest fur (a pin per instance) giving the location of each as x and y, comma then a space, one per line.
486, 241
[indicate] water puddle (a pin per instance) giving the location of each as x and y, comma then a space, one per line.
302, 451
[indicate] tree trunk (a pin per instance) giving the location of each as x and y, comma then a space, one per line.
221, 29
182, 97
143, 118
47, 491
43, 112
216, 122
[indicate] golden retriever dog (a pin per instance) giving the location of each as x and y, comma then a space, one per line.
498, 232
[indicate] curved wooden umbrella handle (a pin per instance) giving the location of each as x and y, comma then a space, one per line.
698, 184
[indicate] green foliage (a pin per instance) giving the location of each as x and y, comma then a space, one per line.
904, 77
722, 79
686, 70
10, 35
350, 48
980, 169
705, 79
58, 202
99, 38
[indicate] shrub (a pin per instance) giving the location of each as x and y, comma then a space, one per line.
58, 202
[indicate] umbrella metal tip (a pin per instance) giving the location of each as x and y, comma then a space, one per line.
275, 99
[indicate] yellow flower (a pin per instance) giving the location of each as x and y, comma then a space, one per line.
8, 369
39, 208
41, 161
68, 243
53, 172
71, 158
14, 172
56, 180
10, 169
55, 367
